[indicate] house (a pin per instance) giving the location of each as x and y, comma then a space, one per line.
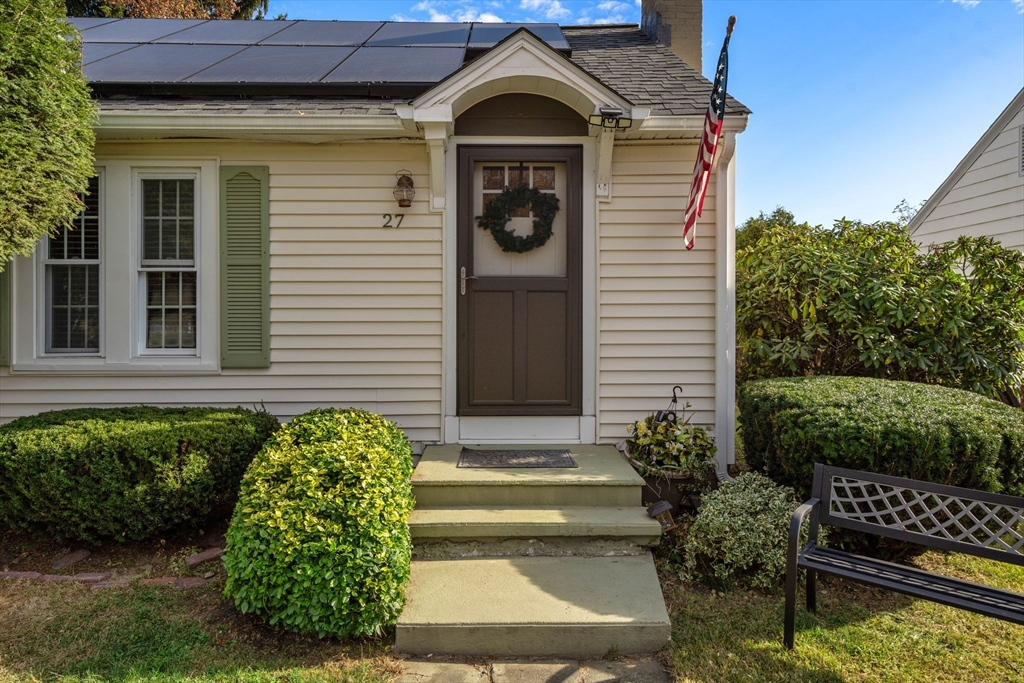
285, 213
242, 242
984, 195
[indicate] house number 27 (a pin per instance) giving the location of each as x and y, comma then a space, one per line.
396, 217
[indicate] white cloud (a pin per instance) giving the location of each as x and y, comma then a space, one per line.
552, 9
613, 6
438, 16
968, 4
477, 15
464, 11
1020, 6
401, 17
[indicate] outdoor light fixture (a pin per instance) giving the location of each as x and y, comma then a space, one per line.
610, 117
404, 189
662, 511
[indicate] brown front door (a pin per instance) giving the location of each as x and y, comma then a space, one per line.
520, 315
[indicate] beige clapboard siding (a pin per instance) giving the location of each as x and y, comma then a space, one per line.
988, 200
656, 301
355, 307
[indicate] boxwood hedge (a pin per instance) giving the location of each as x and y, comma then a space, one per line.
319, 542
904, 429
123, 473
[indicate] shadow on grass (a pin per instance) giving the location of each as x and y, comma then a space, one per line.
72, 634
737, 635
858, 634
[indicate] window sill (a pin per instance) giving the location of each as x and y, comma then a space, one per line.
149, 366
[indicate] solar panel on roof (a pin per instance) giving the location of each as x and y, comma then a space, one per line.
82, 23
484, 36
275, 64
353, 33
137, 30
397, 65
92, 52
157, 63
416, 34
227, 32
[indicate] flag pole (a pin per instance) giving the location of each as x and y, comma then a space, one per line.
708, 143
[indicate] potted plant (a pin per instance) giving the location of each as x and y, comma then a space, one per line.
674, 457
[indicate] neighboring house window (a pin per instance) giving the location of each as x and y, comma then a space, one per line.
169, 281
72, 272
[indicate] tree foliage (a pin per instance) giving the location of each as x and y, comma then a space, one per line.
751, 231
862, 300
163, 9
46, 118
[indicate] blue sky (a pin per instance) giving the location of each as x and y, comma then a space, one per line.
857, 104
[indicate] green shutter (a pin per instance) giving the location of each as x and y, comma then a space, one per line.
5, 315
244, 267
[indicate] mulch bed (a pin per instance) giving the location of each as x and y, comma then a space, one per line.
158, 558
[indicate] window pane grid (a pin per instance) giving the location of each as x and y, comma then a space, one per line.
170, 310
79, 239
168, 260
168, 220
72, 278
538, 177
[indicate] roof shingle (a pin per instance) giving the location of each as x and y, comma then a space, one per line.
646, 73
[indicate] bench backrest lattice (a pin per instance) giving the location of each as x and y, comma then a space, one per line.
951, 518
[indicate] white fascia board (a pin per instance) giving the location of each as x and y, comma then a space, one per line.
682, 124
113, 125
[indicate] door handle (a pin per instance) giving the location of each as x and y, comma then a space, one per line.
462, 287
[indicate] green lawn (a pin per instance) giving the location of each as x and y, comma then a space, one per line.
858, 634
69, 633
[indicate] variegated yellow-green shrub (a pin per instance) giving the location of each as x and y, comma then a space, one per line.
319, 541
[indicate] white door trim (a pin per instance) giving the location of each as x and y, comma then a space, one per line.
581, 429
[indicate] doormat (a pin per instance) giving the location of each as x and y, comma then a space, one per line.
471, 457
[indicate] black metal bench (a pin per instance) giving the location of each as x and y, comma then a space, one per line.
963, 520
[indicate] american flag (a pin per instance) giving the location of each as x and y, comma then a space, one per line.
708, 144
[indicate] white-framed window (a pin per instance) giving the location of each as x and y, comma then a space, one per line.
123, 291
72, 263
168, 264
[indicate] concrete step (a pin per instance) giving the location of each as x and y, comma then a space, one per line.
603, 479
534, 607
493, 524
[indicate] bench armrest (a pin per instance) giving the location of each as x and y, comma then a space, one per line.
795, 522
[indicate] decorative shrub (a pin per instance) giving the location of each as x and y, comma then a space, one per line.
666, 447
319, 542
863, 300
740, 534
903, 429
123, 473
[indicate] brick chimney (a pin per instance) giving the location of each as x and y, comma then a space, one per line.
675, 24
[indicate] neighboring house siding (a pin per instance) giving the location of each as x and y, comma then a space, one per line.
656, 300
356, 311
988, 200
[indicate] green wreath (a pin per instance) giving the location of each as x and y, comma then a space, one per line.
499, 210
